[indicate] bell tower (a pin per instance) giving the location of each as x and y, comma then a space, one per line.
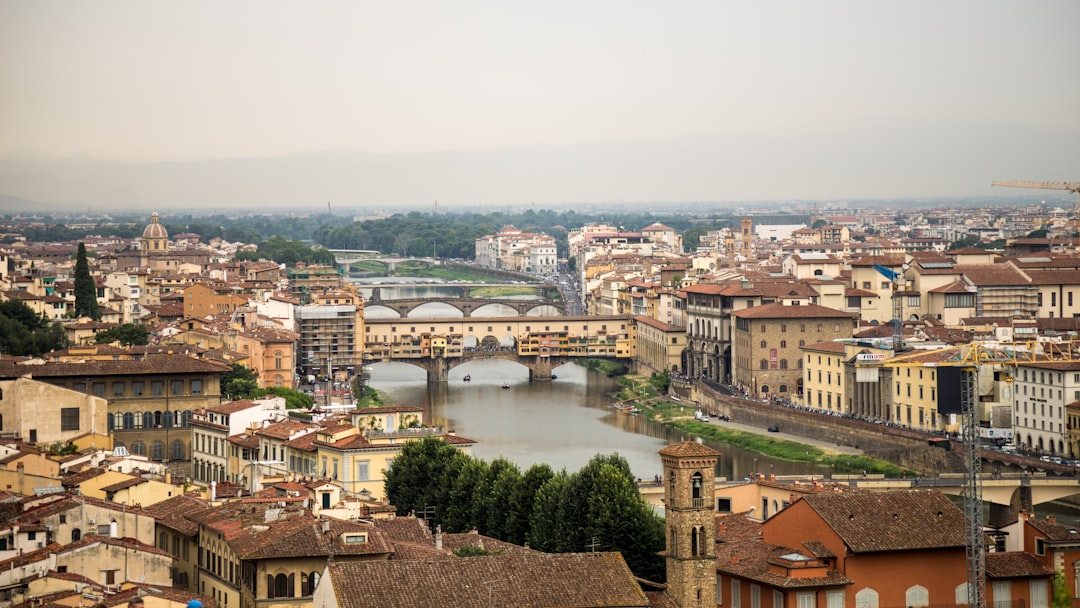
689, 479
747, 237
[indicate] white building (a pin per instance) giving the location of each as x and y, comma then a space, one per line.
1041, 391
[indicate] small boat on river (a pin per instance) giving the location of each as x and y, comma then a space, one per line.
467, 378
506, 385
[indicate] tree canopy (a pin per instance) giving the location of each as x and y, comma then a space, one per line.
25, 333
597, 507
240, 383
128, 334
287, 252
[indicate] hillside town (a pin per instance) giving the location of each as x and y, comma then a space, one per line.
128, 471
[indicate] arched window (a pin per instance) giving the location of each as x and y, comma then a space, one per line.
695, 486
148, 420
76, 534
917, 595
962, 595
167, 419
764, 388
764, 344
866, 598
763, 364
783, 363
674, 541
157, 419
783, 388
185, 417
695, 541
671, 485
157, 451
138, 448
177, 450
783, 343
309, 580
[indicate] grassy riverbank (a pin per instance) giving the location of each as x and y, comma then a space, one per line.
642, 392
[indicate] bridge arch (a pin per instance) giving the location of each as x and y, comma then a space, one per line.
380, 311
435, 309
495, 309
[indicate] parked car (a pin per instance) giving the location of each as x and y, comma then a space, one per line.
774, 429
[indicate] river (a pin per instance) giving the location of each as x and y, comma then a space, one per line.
563, 423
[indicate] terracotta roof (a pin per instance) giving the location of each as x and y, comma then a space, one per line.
780, 311
475, 539
736, 526
862, 293
537, 580
880, 260
231, 407
827, 346
1015, 564
993, 275
957, 286
891, 521
151, 364
173, 513
753, 560
689, 448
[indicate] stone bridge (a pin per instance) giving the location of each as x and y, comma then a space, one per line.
468, 306
538, 343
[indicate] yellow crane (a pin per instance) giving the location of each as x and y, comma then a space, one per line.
1073, 187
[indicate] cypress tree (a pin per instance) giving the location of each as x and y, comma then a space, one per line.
86, 304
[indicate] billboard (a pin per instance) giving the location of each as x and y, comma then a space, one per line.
948, 390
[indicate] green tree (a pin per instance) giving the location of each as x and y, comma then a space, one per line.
1060, 596
618, 519
462, 494
544, 521
419, 477
294, 399
501, 499
128, 334
25, 333
240, 383
522, 501
86, 304
819, 223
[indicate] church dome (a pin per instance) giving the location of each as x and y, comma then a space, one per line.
154, 230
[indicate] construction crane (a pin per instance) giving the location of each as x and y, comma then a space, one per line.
898, 282
1073, 187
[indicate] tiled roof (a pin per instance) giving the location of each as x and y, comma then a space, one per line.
1015, 564
152, 364
880, 260
173, 513
751, 559
993, 275
408, 529
1055, 531
231, 407
541, 580
689, 448
891, 521
862, 293
736, 526
475, 539
300, 535
828, 346
780, 311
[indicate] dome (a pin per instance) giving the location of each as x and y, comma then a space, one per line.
155, 230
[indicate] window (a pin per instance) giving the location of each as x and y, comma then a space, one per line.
138, 388
157, 388
177, 387
755, 596
763, 364
959, 300
866, 598
736, 595
805, 599
69, 419
1002, 594
783, 343
196, 387
1038, 592
917, 595
99, 389
363, 472
834, 599
763, 344
117, 389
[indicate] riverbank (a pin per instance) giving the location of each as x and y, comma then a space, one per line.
642, 392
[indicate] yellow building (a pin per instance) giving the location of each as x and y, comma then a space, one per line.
823, 381
41, 413
660, 346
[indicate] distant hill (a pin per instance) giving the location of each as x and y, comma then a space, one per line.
914, 162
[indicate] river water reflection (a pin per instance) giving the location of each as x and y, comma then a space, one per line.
563, 423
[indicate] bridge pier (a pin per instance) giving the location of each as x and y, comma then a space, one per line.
438, 370
540, 368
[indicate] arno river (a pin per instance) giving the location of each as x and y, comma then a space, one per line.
563, 423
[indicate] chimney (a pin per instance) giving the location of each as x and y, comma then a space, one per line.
325, 526
1051, 519
438, 537
213, 491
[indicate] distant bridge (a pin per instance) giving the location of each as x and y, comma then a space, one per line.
470, 307
538, 343
348, 257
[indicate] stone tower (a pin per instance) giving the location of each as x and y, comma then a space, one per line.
747, 237
689, 479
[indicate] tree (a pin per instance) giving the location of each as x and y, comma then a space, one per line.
419, 477
618, 519
23, 332
1060, 597
86, 304
240, 383
819, 223
505, 482
544, 519
128, 334
522, 501
294, 399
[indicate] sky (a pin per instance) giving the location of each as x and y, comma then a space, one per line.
811, 90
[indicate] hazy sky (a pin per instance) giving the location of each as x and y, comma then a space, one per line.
140, 81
